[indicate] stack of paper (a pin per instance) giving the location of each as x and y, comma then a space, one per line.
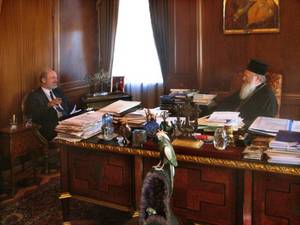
285, 157
138, 118
221, 119
121, 107
283, 145
79, 127
271, 126
134, 119
254, 152
203, 99
180, 95
285, 148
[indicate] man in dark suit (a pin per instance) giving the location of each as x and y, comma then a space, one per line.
47, 105
254, 98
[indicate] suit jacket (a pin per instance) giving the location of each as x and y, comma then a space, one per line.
37, 108
262, 103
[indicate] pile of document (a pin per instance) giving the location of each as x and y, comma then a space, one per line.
284, 157
138, 118
134, 119
254, 152
285, 148
121, 107
271, 126
221, 119
80, 127
180, 95
203, 99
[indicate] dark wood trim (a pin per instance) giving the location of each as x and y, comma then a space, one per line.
248, 195
290, 98
73, 85
0, 6
138, 174
56, 36
199, 45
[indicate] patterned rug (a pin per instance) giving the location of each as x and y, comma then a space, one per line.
42, 207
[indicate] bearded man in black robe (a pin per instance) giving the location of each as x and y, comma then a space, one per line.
255, 98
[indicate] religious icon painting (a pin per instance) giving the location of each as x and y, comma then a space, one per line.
251, 16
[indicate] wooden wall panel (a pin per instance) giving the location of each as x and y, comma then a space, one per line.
0, 5
226, 55
183, 44
25, 48
79, 54
31, 41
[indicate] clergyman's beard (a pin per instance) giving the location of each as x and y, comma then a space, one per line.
246, 90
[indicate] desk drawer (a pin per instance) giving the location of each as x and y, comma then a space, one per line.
102, 176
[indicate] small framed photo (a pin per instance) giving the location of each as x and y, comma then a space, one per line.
251, 16
118, 84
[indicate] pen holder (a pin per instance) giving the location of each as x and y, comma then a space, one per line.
139, 137
13, 124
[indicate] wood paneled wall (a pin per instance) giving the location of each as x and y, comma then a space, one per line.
36, 34
26, 47
0, 5
63, 34
79, 47
183, 45
225, 55
202, 53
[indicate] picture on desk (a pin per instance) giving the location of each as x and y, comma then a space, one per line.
118, 84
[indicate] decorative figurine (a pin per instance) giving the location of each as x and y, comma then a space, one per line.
125, 132
187, 110
151, 125
164, 125
167, 156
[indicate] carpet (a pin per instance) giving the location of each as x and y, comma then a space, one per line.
42, 207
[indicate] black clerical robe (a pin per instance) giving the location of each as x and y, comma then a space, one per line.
261, 103
37, 108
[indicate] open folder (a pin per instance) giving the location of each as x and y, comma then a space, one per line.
271, 126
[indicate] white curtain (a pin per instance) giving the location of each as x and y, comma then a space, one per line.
135, 55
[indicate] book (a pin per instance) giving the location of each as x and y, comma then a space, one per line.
271, 126
203, 99
288, 136
121, 107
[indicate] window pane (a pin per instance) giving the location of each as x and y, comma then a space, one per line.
135, 55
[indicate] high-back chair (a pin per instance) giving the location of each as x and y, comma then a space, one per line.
50, 154
274, 80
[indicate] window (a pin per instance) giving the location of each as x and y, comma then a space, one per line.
135, 55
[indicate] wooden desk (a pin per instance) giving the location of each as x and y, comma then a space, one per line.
211, 187
15, 143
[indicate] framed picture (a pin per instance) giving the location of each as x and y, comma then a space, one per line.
251, 16
118, 84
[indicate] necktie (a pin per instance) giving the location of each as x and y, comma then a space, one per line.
51, 95
59, 108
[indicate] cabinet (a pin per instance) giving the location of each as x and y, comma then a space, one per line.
97, 101
15, 143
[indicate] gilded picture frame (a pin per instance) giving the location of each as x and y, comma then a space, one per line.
251, 16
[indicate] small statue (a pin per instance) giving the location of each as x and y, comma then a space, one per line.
164, 125
189, 111
167, 155
151, 125
125, 132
